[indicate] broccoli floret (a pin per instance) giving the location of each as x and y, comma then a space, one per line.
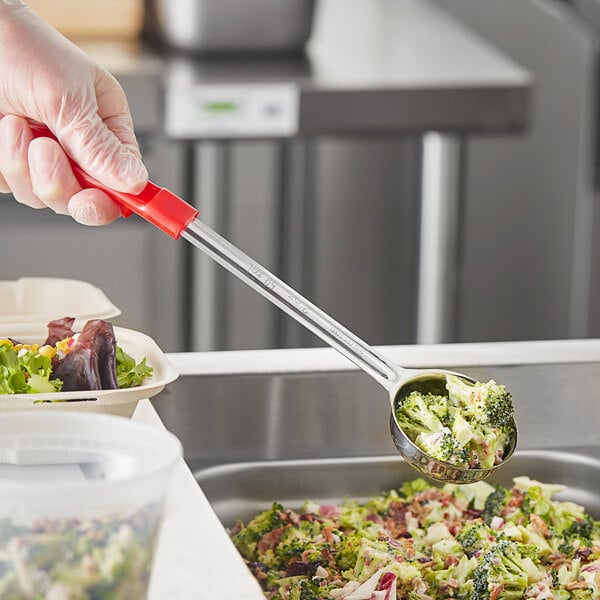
347, 551
504, 571
456, 581
296, 541
577, 535
498, 406
311, 589
247, 538
473, 537
442, 445
494, 504
582, 527
410, 488
415, 416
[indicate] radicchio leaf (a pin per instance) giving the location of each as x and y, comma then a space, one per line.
59, 330
91, 363
78, 370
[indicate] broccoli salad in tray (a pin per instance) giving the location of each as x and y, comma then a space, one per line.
467, 424
470, 542
69, 361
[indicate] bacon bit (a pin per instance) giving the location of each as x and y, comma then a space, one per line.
539, 524
236, 528
328, 535
515, 502
584, 553
576, 585
309, 517
258, 569
290, 517
451, 561
557, 560
427, 496
270, 539
496, 591
448, 586
472, 513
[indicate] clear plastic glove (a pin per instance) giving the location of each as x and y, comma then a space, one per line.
47, 79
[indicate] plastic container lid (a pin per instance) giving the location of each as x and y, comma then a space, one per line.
32, 302
67, 465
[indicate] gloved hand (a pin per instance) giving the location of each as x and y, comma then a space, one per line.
47, 79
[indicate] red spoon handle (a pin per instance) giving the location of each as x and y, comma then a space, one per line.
156, 205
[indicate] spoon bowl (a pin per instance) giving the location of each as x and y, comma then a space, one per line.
433, 381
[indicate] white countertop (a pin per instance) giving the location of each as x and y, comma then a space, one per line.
195, 558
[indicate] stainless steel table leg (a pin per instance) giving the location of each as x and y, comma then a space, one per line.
209, 308
297, 232
438, 253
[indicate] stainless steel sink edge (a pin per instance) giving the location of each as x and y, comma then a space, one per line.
241, 490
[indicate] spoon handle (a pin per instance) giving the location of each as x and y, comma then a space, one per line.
176, 217
287, 299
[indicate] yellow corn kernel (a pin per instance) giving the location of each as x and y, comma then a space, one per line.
64, 345
47, 351
6, 343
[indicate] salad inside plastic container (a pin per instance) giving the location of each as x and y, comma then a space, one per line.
81, 504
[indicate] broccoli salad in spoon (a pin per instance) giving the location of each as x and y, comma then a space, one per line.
469, 424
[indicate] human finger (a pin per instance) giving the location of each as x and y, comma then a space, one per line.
4, 189
52, 178
15, 137
91, 206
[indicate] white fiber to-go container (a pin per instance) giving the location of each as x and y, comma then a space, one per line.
28, 304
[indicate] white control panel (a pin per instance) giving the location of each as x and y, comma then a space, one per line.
231, 110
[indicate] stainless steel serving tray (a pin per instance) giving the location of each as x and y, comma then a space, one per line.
241, 490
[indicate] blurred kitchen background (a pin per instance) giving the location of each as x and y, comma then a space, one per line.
330, 186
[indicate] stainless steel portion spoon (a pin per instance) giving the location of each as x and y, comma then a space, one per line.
177, 218
396, 380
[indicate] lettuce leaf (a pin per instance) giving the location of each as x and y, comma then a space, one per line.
25, 372
130, 373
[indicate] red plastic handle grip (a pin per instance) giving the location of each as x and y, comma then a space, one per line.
156, 205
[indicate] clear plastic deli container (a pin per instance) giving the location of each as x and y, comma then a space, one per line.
81, 504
